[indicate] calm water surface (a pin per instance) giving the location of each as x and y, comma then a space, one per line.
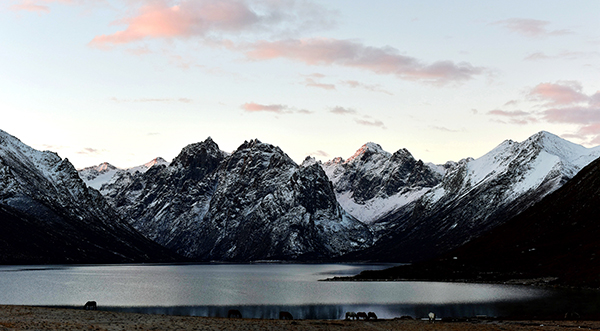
262, 290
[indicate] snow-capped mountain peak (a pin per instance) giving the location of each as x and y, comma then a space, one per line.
159, 160
373, 182
368, 150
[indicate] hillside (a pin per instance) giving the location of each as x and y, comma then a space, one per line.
555, 240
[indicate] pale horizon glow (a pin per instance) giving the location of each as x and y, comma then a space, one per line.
124, 81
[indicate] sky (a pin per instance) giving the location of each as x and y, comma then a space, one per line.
127, 81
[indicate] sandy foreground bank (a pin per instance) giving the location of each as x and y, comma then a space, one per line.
39, 318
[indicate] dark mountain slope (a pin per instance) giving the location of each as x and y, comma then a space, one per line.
48, 214
557, 238
477, 195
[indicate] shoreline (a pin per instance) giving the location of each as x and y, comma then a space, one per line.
14, 317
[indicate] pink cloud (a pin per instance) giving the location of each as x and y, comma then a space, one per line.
255, 107
575, 115
562, 102
530, 27
383, 60
30, 6
595, 99
189, 18
562, 93
161, 19
42, 6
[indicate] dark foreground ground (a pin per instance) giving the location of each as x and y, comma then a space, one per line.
40, 318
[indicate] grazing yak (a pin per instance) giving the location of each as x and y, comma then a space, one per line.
90, 305
284, 315
350, 315
362, 315
234, 313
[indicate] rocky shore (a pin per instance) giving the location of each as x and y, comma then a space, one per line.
41, 318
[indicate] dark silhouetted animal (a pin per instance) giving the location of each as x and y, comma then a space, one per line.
234, 313
350, 315
90, 305
371, 315
284, 315
572, 316
361, 315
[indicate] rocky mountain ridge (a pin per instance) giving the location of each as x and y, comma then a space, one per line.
413, 209
49, 215
253, 204
476, 195
552, 243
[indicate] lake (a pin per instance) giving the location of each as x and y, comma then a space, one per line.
262, 290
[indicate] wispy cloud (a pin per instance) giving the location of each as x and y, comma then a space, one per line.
43, 6
518, 117
342, 111
253, 107
311, 82
358, 118
161, 19
508, 113
233, 24
531, 28
564, 55
320, 153
368, 87
561, 93
563, 102
183, 100
31, 6
443, 129
380, 60
90, 151
370, 122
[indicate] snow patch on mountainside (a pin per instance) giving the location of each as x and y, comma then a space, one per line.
373, 183
105, 173
377, 208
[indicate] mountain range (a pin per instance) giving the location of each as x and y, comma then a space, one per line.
552, 243
375, 206
253, 204
476, 195
256, 203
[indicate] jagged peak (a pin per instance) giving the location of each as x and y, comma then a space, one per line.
193, 151
249, 144
336, 160
159, 160
104, 167
403, 153
309, 161
369, 148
